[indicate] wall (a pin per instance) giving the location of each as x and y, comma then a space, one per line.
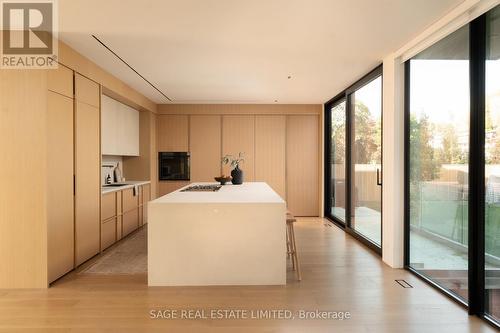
282, 145
23, 172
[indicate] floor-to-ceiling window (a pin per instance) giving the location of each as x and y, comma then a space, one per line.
439, 115
452, 124
353, 159
492, 165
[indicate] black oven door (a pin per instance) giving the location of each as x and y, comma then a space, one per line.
173, 165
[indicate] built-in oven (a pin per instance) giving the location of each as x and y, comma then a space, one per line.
173, 166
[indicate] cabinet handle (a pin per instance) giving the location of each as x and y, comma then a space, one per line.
379, 182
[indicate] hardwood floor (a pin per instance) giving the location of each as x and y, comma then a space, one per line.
338, 274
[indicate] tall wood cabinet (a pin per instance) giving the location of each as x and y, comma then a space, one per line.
87, 169
302, 161
238, 135
270, 152
205, 147
60, 210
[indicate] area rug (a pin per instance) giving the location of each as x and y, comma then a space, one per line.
130, 256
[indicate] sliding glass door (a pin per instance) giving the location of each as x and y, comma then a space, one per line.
438, 162
337, 202
366, 161
452, 171
353, 159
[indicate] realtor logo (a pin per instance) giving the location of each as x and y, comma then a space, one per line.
29, 37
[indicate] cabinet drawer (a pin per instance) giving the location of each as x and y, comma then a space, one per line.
108, 206
129, 200
108, 233
130, 222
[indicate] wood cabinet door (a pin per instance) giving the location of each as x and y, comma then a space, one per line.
205, 147
108, 206
87, 91
108, 233
130, 221
166, 187
238, 135
60, 214
60, 80
129, 200
88, 188
172, 133
270, 152
302, 165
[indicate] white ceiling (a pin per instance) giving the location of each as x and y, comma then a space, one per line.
234, 51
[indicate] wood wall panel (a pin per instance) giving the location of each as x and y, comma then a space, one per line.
87, 171
23, 214
87, 91
205, 147
270, 152
60, 80
302, 165
173, 133
60, 211
165, 187
238, 135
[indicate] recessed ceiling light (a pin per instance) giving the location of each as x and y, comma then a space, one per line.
289, 77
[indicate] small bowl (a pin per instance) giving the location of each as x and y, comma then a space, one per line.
223, 180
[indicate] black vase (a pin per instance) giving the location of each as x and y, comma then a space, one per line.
237, 175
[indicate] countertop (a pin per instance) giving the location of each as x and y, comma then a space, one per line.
251, 192
129, 184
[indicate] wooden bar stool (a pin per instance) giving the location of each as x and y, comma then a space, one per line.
291, 248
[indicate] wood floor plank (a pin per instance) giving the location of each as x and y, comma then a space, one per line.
339, 274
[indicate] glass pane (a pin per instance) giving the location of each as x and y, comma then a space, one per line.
366, 161
439, 149
492, 168
338, 200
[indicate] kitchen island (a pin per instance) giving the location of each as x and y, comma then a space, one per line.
233, 236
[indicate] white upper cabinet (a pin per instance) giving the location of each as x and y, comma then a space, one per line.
119, 128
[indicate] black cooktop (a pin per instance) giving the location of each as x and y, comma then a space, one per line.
202, 188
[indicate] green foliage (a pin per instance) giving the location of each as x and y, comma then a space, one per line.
233, 161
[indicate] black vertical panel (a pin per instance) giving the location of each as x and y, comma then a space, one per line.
348, 158
328, 155
407, 165
476, 164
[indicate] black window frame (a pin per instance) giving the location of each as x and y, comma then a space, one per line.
346, 95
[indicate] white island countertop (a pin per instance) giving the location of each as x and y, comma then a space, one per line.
254, 192
233, 236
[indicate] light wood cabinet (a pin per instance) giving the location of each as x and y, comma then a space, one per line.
108, 206
130, 221
302, 162
60, 81
129, 200
238, 135
87, 169
119, 128
205, 147
173, 133
60, 213
87, 91
270, 152
108, 233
